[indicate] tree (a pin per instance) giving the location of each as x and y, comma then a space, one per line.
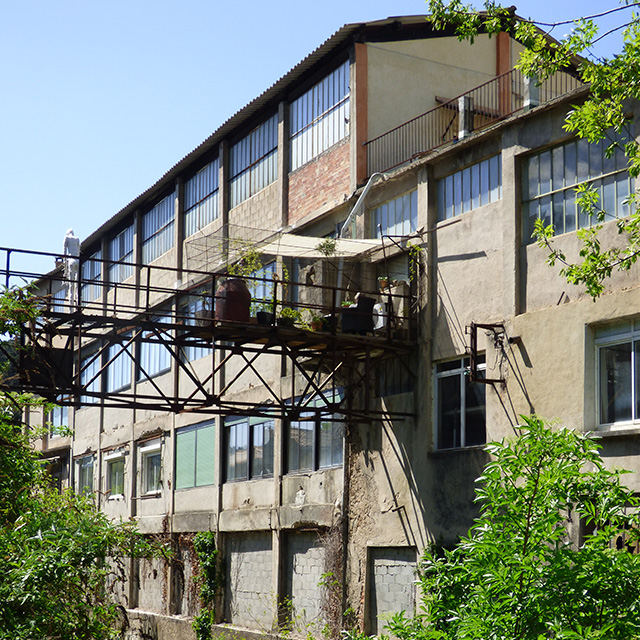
61, 559
613, 82
519, 575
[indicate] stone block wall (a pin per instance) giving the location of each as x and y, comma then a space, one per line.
249, 598
392, 585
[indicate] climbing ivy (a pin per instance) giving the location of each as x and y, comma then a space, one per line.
210, 580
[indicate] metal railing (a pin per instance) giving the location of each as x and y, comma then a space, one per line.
454, 119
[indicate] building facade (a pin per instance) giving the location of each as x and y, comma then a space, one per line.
325, 461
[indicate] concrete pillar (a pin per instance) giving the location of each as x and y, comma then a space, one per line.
283, 163
531, 92
465, 116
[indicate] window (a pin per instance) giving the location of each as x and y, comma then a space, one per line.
618, 372
195, 456
262, 288
549, 180
119, 369
473, 187
157, 230
115, 473
320, 117
254, 162
201, 199
121, 250
248, 447
58, 418
84, 475
398, 217
195, 309
90, 376
59, 300
461, 407
155, 357
91, 278
151, 459
315, 441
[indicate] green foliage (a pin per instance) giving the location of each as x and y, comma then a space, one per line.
327, 247
518, 575
61, 560
210, 580
249, 260
613, 83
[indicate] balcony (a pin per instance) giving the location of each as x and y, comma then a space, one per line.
455, 119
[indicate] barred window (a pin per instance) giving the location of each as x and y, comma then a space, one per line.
157, 230
320, 117
254, 161
550, 178
121, 250
473, 187
201, 199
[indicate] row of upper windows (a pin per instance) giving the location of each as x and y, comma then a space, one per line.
319, 119
315, 442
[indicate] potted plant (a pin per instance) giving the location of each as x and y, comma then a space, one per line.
383, 282
289, 317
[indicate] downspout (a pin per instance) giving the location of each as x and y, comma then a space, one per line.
352, 217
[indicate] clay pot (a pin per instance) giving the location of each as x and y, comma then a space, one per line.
233, 301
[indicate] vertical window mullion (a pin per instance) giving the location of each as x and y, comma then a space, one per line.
463, 404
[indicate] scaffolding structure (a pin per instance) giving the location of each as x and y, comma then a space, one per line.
66, 353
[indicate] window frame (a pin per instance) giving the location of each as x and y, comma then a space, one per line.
320, 117
457, 192
91, 277
201, 198
253, 164
398, 207
253, 426
627, 333
180, 435
447, 370
157, 225
154, 359
119, 252
120, 353
150, 485
314, 417
112, 459
555, 186
81, 466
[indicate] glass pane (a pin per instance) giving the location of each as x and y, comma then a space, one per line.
449, 412
205, 446
583, 160
466, 189
153, 465
545, 172
558, 212
609, 197
475, 413
570, 161
533, 176
495, 178
185, 459
569, 211
615, 383
475, 185
557, 159
331, 434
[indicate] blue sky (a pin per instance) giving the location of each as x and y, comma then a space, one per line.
101, 98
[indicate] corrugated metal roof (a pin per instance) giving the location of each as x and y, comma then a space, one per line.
391, 28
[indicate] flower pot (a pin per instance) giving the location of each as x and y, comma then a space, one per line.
264, 317
233, 301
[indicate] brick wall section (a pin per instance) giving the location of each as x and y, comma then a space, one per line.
249, 598
305, 566
321, 183
392, 584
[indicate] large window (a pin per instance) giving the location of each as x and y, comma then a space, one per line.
201, 199
84, 475
618, 370
155, 357
470, 188
550, 178
90, 376
316, 441
254, 162
195, 310
398, 217
119, 369
157, 230
91, 278
248, 447
320, 117
195, 456
461, 410
121, 250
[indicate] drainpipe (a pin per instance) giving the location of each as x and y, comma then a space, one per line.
352, 217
